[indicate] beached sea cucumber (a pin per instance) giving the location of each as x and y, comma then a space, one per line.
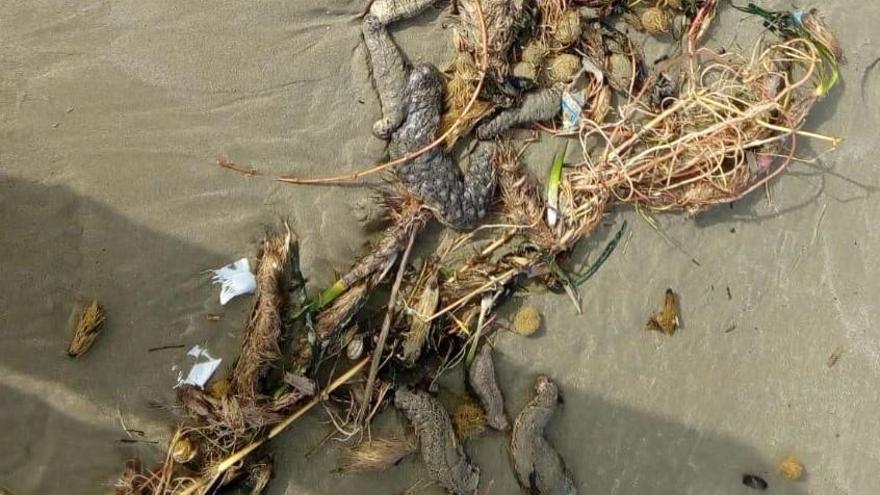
481, 377
543, 104
539, 469
412, 117
387, 11
443, 455
389, 76
458, 200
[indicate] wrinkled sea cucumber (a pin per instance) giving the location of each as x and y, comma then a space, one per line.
537, 106
481, 377
443, 455
389, 76
387, 11
539, 469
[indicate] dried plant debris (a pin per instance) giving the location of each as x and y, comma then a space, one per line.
697, 129
443, 456
88, 326
414, 340
834, 357
260, 348
538, 467
259, 475
183, 449
481, 377
375, 454
666, 321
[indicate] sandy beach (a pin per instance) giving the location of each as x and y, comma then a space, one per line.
112, 117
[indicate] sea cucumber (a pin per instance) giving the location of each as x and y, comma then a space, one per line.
543, 104
388, 11
539, 468
443, 455
389, 76
481, 377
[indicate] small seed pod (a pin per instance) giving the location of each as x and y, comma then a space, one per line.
675, 4
183, 450
562, 68
655, 20
568, 28
355, 348
534, 53
524, 70
527, 321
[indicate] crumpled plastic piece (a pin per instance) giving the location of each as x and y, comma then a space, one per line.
572, 106
235, 279
200, 372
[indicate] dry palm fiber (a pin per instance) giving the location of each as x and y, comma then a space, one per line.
459, 87
88, 326
260, 348
423, 305
376, 454
407, 216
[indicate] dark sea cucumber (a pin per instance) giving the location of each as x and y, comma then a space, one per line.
445, 459
412, 102
543, 104
539, 468
481, 377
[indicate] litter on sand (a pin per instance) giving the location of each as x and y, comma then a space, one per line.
201, 371
672, 137
235, 279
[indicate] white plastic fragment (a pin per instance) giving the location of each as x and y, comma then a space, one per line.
235, 279
200, 372
572, 106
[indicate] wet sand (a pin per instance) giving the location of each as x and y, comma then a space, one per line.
113, 114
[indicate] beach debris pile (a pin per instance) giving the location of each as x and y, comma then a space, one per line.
701, 127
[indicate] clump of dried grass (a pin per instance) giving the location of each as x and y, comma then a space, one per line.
88, 326
459, 87
260, 348
376, 454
